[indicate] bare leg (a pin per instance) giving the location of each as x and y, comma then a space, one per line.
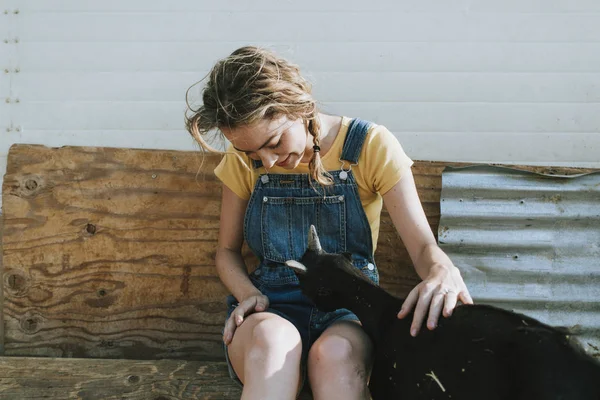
339, 363
265, 354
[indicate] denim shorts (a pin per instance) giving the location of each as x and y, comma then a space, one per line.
290, 304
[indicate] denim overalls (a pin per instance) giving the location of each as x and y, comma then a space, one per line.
279, 213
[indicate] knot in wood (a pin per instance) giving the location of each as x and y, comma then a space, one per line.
15, 281
31, 184
90, 228
29, 324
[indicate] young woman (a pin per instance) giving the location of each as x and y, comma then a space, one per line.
290, 166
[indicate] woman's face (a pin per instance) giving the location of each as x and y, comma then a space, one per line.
277, 141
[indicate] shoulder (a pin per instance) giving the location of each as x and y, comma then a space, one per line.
376, 134
380, 145
237, 172
235, 159
383, 159
379, 134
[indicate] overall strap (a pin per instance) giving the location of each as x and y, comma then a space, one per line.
357, 133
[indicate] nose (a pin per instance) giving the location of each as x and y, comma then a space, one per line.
268, 158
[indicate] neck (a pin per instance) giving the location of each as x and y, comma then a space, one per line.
375, 308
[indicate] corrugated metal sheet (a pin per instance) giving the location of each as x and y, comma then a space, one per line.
527, 242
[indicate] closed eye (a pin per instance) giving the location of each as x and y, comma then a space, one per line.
269, 146
272, 147
276, 145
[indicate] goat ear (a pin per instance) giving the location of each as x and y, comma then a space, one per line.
296, 266
347, 256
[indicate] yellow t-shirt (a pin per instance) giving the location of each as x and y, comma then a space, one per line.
381, 164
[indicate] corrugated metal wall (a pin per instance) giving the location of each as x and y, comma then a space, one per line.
510, 81
527, 242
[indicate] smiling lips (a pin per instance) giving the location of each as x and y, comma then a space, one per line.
284, 162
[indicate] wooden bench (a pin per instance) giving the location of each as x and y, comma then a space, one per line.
109, 285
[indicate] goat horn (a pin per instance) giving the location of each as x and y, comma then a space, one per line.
313, 240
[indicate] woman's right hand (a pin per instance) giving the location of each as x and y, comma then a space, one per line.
250, 305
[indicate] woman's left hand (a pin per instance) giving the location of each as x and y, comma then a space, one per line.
441, 290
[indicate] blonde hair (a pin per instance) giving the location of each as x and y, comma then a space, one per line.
250, 85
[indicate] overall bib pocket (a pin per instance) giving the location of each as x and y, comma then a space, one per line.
285, 222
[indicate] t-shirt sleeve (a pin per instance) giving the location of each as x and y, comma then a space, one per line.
385, 159
235, 173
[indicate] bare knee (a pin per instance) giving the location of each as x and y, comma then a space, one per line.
262, 344
333, 349
338, 367
343, 353
274, 337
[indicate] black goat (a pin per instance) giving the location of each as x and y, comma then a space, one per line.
479, 353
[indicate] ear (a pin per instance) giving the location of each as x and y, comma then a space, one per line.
296, 266
347, 256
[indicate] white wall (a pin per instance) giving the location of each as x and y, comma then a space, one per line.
465, 80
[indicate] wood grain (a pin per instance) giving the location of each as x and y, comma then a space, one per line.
109, 253
89, 379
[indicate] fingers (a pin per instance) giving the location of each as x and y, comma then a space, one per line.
246, 307
450, 303
262, 303
229, 330
420, 311
235, 319
409, 302
435, 308
465, 297
430, 304
437, 295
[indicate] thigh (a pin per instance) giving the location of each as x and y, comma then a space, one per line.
243, 338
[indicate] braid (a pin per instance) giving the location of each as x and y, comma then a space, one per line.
315, 166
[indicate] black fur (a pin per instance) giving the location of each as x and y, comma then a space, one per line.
479, 353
